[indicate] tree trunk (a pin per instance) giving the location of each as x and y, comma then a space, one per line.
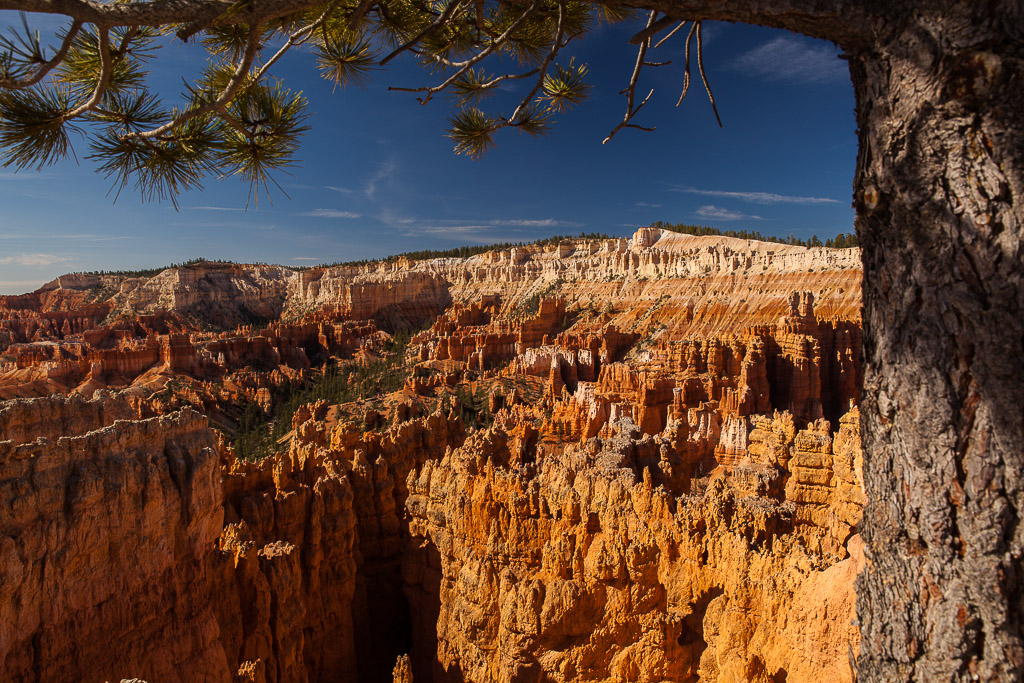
940, 216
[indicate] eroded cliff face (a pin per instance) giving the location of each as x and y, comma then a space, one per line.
739, 282
601, 460
137, 547
603, 564
109, 534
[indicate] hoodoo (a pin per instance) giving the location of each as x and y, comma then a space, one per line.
594, 460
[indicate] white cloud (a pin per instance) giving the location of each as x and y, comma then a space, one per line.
464, 238
793, 60
383, 171
456, 229
248, 227
343, 190
85, 237
537, 223
757, 197
477, 234
718, 213
330, 213
487, 231
651, 206
438, 226
35, 260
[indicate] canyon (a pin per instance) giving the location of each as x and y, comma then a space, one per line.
589, 460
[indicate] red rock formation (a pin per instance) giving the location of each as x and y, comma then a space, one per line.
107, 531
670, 487
124, 553
592, 566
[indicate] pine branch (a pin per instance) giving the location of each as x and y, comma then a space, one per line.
480, 56
555, 47
43, 69
806, 16
297, 38
357, 15
104, 79
238, 78
443, 18
566, 88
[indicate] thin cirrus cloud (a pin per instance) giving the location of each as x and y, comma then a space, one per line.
438, 227
382, 175
476, 234
792, 60
537, 223
83, 237
720, 214
35, 260
330, 213
757, 197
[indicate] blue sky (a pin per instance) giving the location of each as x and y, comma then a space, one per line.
376, 175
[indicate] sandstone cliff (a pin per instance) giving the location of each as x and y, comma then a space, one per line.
600, 460
136, 547
741, 280
598, 566
108, 543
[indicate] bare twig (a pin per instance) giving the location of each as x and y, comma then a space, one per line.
669, 35
436, 24
686, 72
631, 88
696, 30
507, 77
102, 83
700, 67
46, 67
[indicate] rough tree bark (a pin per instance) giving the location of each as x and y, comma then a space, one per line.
939, 194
